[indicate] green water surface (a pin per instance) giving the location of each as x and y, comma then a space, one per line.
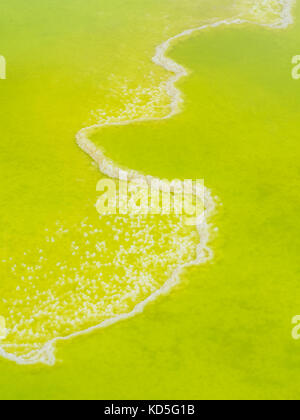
225, 332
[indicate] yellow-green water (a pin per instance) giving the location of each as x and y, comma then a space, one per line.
226, 330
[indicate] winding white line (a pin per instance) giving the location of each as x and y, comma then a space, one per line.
47, 354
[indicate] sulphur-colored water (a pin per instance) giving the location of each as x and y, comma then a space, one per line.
65, 270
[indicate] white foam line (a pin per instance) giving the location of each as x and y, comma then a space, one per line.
111, 169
